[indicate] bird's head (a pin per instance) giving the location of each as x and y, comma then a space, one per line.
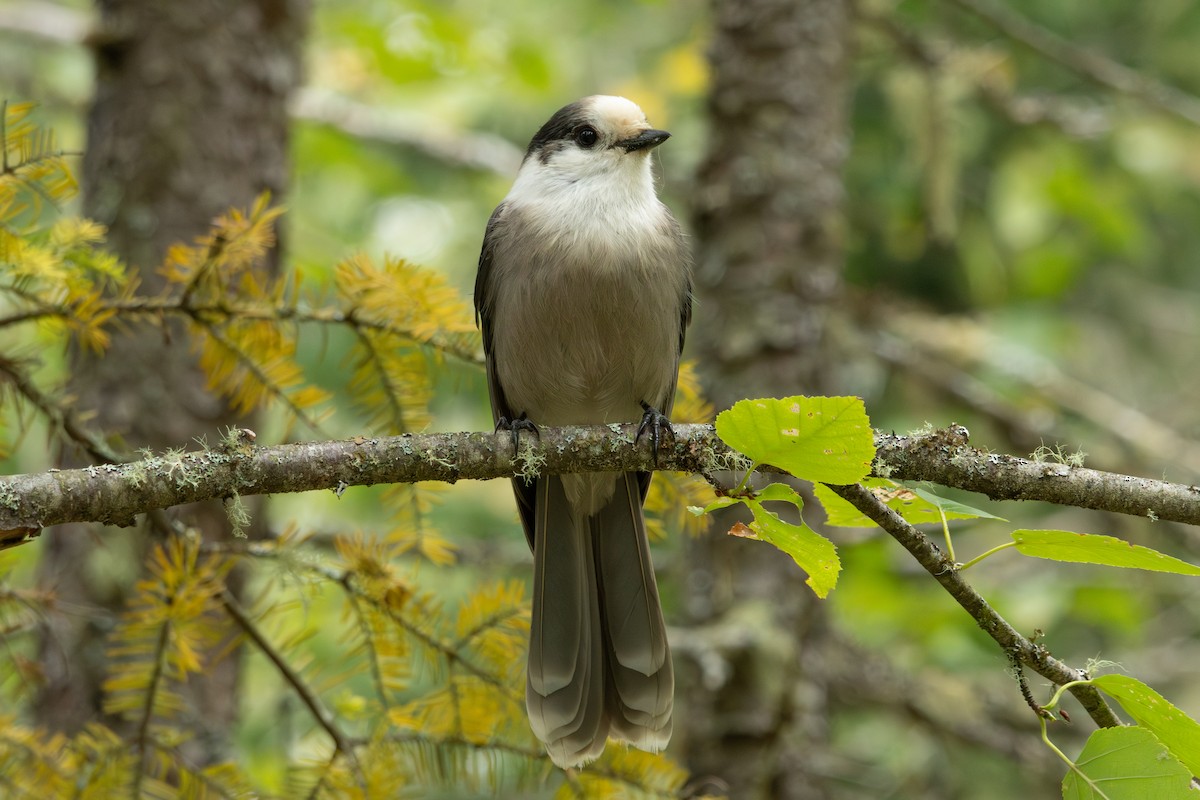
599, 135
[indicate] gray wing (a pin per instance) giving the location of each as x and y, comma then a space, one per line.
685, 319
485, 303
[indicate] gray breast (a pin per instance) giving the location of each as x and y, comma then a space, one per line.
586, 329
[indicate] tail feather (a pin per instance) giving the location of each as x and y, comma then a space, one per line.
640, 684
564, 691
599, 663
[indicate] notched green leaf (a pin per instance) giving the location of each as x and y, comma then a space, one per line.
814, 554
780, 492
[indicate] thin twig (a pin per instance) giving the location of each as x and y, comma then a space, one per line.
59, 415
973, 349
944, 572
324, 718
51, 22
370, 123
143, 733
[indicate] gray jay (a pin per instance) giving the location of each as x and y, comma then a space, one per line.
583, 295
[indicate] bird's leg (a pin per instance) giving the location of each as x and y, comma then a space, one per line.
515, 426
657, 423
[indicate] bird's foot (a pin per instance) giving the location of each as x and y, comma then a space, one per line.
515, 426
657, 424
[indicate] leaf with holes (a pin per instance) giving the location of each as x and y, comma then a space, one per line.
1175, 729
820, 439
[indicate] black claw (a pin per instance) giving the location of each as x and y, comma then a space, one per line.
521, 423
657, 423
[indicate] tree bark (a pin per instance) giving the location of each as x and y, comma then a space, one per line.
189, 118
768, 213
768, 227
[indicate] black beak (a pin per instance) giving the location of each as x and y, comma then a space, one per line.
644, 140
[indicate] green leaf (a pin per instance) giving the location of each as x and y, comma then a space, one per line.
780, 492
821, 439
916, 506
1175, 729
815, 554
773, 492
1126, 763
1090, 548
715, 505
951, 508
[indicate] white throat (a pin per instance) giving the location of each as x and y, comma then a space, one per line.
599, 209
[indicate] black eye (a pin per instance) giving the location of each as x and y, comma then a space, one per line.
586, 136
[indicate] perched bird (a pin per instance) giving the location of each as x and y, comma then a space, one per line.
583, 295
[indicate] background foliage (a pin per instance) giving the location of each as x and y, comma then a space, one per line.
1021, 260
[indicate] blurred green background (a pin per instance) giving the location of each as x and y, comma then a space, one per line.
1023, 257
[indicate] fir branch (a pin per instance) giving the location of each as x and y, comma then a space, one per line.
945, 573
343, 744
147, 714
115, 494
531, 752
60, 416
154, 308
371, 650
373, 371
260, 375
447, 651
599, 769
346, 579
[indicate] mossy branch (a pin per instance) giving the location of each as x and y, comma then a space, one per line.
116, 493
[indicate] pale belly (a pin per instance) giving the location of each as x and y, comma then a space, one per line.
587, 351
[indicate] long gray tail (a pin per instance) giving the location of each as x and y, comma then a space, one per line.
640, 683
598, 657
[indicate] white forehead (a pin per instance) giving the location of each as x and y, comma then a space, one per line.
617, 111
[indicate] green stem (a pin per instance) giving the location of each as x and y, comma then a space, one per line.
1058, 692
982, 556
741, 487
1091, 784
946, 534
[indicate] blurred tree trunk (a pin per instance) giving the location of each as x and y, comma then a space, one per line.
768, 219
189, 118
